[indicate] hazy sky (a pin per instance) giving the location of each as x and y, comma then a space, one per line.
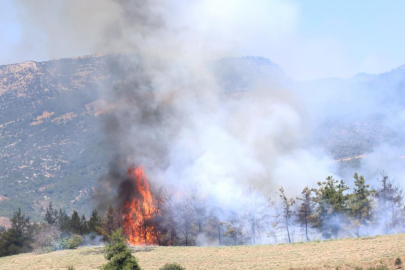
308, 39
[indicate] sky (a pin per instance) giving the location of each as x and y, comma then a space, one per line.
308, 39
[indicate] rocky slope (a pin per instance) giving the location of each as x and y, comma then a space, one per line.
49, 137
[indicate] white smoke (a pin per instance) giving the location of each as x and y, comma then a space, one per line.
175, 117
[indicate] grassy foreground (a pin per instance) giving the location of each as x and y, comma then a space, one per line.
339, 254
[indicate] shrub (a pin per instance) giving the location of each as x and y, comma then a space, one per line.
118, 254
61, 244
68, 242
398, 262
172, 266
74, 241
380, 267
70, 268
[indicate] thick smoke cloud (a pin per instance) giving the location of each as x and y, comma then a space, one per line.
180, 114
174, 117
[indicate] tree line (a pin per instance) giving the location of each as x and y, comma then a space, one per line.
329, 210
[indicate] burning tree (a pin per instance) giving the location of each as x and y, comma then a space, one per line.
140, 211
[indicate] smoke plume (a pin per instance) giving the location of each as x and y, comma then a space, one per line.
175, 118
195, 118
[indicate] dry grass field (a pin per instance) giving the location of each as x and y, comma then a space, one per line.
339, 254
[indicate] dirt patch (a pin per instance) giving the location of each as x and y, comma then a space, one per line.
5, 222
40, 118
64, 118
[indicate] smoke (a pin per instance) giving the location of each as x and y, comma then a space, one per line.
193, 120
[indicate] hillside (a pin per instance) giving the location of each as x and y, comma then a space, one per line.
356, 115
49, 137
339, 254
52, 146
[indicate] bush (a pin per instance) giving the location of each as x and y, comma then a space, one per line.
61, 244
398, 262
172, 266
68, 242
70, 268
118, 254
380, 267
74, 241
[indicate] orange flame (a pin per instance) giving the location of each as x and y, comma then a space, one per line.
140, 211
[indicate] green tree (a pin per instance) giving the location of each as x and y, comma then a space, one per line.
305, 210
95, 223
360, 203
63, 221
331, 208
51, 215
75, 223
18, 238
118, 254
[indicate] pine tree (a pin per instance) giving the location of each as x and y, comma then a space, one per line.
84, 229
94, 223
112, 221
305, 210
63, 221
390, 202
51, 215
75, 223
331, 206
20, 223
286, 211
233, 228
360, 203
18, 238
118, 254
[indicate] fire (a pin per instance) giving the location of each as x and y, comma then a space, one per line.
140, 211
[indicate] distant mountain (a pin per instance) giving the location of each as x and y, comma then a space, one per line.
356, 115
237, 74
50, 140
52, 146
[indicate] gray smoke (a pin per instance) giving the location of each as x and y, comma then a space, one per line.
179, 113
174, 116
